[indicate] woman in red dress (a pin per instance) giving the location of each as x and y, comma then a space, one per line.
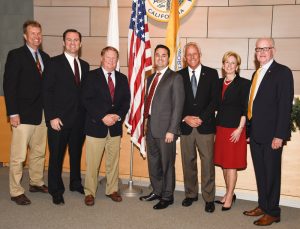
230, 144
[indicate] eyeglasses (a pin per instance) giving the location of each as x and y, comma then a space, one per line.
264, 49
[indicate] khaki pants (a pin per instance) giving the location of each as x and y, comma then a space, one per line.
34, 136
205, 145
94, 152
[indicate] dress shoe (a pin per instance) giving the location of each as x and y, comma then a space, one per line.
79, 189
150, 197
255, 212
58, 200
34, 188
232, 202
21, 200
89, 200
266, 220
115, 197
189, 201
162, 204
210, 207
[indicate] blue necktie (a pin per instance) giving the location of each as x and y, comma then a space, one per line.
194, 83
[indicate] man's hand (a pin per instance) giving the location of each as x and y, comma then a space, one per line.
169, 137
276, 143
192, 121
15, 121
110, 119
56, 124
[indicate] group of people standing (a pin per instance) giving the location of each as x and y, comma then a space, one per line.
213, 118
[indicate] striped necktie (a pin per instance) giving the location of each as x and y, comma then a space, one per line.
252, 91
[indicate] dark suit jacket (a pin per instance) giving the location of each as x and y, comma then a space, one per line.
23, 85
167, 104
98, 103
272, 106
234, 103
204, 104
61, 94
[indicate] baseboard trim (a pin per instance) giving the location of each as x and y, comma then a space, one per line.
288, 201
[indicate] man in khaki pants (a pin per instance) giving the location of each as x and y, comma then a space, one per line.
106, 97
23, 97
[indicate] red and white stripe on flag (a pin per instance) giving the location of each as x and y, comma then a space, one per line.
139, 56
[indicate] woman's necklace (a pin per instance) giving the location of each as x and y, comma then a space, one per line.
227, 82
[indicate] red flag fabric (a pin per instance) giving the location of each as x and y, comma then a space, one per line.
139, 57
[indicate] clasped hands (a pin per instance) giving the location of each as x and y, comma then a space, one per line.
110, 119
192, 121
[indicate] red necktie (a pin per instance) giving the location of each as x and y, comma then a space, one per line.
150, 95
76, 72
38, 64
111, 86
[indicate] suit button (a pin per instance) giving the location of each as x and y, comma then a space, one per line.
195, 104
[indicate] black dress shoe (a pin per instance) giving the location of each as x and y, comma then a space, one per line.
150, 197
79, 189
58, 200
189, 201
210, 207
162, 204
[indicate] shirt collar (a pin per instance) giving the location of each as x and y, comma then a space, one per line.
267, 65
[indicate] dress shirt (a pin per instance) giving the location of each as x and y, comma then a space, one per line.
112, 75
261, 76
39, 56
159, 78
197, 73
71, 62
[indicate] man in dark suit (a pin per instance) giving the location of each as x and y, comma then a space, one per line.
65, 114
163, 109
198, 127
269, 114
23, 97
106, 97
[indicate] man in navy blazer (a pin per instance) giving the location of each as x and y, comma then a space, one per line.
65, 114
23, 97
106, 97
269, 114
198, 127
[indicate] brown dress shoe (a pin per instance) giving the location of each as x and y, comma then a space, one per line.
266, 220
34, 188
89, 200
255, 212
21, 200
115, 197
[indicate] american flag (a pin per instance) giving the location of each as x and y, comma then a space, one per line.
139, 56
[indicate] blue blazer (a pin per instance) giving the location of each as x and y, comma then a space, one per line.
98, 103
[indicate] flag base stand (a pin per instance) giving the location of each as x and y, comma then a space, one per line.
131, 191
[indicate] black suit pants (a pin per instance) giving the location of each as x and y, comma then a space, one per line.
58, 142
161, 165
267, 167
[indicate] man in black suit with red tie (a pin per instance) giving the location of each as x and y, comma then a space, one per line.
269, 114
106, 97
65, 114
23, 97
198, 127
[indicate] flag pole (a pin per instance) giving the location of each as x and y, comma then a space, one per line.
131, 191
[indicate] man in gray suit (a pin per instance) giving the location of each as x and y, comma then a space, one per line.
163, 110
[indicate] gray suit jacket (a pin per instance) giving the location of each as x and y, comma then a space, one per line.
167, 104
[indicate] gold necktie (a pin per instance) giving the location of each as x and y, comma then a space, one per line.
252, 91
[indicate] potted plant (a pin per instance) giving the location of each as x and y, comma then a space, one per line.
295, 117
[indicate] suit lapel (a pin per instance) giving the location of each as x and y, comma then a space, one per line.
32, 60
104, 84
265, 78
